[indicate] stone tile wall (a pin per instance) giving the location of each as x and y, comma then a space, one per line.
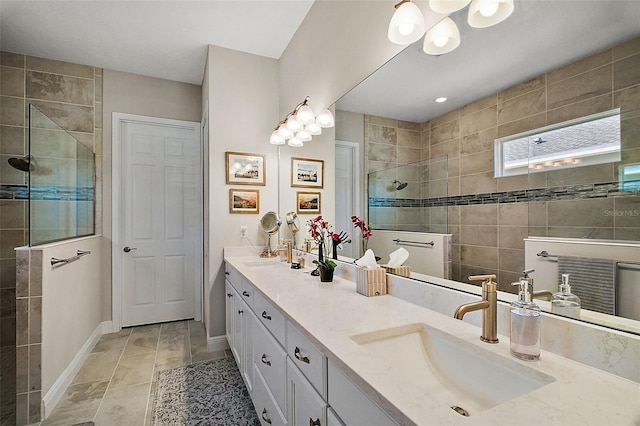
71, 95
487, 233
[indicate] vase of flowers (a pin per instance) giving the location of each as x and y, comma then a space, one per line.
326, 268
321, 232
365, 231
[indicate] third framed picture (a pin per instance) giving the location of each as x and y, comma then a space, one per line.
307, 173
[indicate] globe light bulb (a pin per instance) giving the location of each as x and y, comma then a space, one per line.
489, 9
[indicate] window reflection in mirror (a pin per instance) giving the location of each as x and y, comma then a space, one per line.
586, 141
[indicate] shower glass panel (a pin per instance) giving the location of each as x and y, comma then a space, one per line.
61, 183
411, 197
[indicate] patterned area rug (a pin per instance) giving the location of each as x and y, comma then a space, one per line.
209, 394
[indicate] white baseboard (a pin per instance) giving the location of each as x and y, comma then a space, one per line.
217, 343
59, 387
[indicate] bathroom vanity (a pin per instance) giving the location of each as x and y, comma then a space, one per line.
315, 353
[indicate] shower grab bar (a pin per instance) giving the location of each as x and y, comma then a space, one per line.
410, 242
79, 254
544, 253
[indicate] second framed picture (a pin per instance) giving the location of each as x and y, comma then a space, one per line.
307, 173
307, 202
244, 201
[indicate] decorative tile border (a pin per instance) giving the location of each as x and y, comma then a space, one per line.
571, 192
61, 193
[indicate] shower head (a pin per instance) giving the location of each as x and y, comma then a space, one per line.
400, 185
23, 164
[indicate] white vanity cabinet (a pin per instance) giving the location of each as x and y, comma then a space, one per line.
289, 379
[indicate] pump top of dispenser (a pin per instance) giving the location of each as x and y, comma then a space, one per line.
565, 288
523, 295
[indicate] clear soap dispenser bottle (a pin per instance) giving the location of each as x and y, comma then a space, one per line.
525, 325
564, 302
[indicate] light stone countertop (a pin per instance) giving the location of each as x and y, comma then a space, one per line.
329, 313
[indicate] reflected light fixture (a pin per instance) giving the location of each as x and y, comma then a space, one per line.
408, 24
300, 125
440, 100
442, 38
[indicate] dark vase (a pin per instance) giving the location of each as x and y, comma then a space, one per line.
334, 253
326, 275
320, 251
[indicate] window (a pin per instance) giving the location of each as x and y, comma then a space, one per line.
586, 141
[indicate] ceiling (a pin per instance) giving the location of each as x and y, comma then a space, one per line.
538, 37
164, 39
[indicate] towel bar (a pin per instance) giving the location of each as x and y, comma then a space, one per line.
79, 254
409, 242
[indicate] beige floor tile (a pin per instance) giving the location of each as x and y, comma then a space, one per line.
142, 341
178, 327
112, 341
133, 370
173, 345
172, 362
79, 404
124, 406
99, 366
208, 356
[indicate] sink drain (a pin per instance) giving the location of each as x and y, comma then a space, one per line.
460, 410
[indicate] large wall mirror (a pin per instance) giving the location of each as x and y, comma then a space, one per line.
551, 62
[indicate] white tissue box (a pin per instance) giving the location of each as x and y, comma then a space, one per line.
371, 282
403, 271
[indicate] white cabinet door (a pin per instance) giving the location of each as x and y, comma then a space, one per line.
307, 408
246, 351
229, 317
332, 418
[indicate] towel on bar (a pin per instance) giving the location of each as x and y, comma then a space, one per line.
592, 280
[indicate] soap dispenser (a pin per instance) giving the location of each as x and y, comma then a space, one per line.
525, 325
564, 302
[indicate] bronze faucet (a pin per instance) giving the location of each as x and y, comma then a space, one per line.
540, 294
488, 305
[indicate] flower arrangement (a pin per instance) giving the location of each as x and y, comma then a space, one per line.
321, 231
365, 231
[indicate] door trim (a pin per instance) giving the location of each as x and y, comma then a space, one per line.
117, 121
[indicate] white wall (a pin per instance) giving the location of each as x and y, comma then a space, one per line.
243, 109
141, 95
71, 299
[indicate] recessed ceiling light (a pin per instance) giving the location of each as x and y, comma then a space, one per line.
441, 100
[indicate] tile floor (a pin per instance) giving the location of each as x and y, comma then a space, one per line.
114, 385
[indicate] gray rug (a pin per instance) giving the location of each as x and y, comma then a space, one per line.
209, 393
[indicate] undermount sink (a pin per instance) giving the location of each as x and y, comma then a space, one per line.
274, 262
464, 376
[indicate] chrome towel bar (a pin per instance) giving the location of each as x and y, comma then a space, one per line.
409, 242
544, 253
79, 254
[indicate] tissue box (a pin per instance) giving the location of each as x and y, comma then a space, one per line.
403, 271
371, 282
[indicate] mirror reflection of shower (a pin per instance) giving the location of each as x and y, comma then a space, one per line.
400, 185
23, 163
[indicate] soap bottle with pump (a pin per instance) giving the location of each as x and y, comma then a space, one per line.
564, 302
525, 325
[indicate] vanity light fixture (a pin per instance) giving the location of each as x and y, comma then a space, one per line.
408, 24
300, 125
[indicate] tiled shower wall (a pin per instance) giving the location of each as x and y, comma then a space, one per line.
489, 217
71, 95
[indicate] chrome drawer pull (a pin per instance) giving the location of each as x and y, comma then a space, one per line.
266, 419
227, 273
240, 312
229, 295
315, 422
265, 316
265, 360
246, 293
299, 356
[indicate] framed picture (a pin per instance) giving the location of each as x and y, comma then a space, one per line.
245, 169
244, 201
307, 202
307, 173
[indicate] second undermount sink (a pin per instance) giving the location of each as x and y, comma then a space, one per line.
464, 376
274, 263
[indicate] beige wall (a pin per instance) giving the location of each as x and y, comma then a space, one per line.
140, 95
243, 109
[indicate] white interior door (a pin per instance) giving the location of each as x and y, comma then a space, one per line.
160, 229
347, 193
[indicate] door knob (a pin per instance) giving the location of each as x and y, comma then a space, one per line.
128, 249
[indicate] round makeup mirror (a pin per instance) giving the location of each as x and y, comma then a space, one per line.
270, 223
294, 225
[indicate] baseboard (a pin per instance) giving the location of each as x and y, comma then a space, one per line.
217, 343
59, 387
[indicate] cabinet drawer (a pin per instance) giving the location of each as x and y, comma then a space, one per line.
307, 358
271, 359
307, 406
270, 317
351, 403
266, 406
242, 286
